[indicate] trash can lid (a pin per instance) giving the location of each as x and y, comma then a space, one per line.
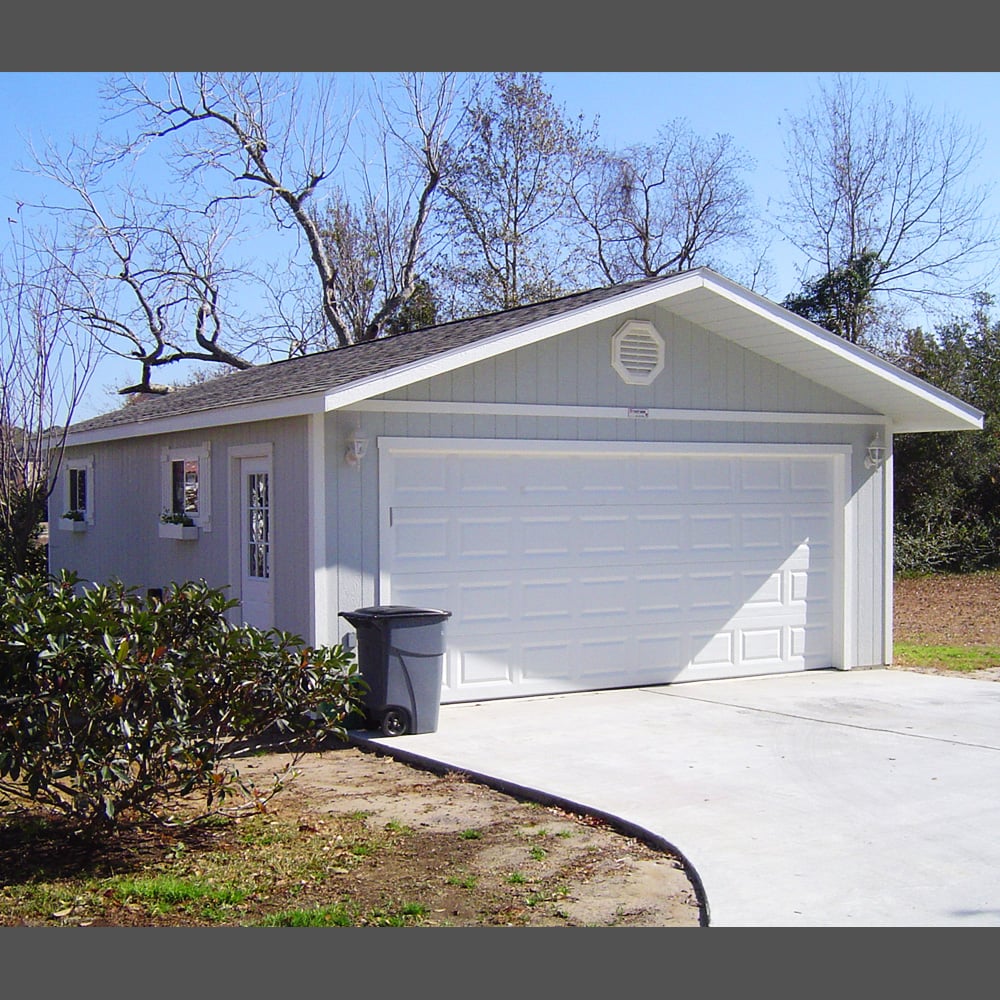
380, 611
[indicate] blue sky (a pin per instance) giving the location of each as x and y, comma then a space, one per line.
749, 106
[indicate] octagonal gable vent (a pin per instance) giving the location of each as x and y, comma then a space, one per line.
637, 352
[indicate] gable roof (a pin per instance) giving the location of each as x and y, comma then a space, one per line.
333, 379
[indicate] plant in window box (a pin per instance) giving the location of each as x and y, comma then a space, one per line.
73, 520
177, 525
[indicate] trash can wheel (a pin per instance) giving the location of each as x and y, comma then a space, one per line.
395, 722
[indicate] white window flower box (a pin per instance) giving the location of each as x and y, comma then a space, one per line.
184, 532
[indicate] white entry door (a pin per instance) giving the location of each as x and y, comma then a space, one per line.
256, 583
578, 566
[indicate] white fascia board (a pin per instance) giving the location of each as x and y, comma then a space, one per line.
959, 415
221, 416
509, 340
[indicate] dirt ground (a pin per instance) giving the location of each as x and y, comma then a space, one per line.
576, 871
949, 609
469, 854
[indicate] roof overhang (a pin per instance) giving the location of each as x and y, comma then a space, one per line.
218, 416
905, 403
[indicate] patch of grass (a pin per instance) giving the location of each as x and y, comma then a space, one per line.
394, 826
401, 916
463, 881
326, 916
537, 853
470, 835
516, 878
963, 659
161, 893
339, 915
258, 835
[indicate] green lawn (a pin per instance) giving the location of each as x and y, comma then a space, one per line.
965, 659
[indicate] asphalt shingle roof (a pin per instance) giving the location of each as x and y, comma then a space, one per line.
329, 370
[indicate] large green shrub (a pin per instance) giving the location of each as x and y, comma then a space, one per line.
110, 703
947, 485
945, 542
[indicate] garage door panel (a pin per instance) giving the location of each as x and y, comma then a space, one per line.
465, 480
811, 479
547, 535
482, 605
658, 532
763, 479
606, 533
713, 648
812, 528
418, 481
660, 653
476, 664
519, 538
667, 594
765, 534
814, 587
499, 665
765, 592
810, 644
422, 538
571, 573
712, 532
658, 593
605, 597
710, 477
485, 536
552, 659
763, 645
544, 603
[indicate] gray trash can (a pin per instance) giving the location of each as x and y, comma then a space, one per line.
401, 658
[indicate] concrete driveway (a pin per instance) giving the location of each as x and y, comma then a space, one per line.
828, 798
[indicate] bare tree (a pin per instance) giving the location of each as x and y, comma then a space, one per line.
268, 142
664, 207
382, 239
44, 371
889, 185
509, 194
144, 277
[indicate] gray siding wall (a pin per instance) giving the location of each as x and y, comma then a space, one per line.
123, 541
702, 371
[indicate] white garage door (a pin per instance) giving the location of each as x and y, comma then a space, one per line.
574, 567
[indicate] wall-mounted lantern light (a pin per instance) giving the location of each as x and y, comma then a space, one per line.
875, 455
357, 445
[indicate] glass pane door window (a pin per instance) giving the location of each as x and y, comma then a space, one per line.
256, 565
258, 526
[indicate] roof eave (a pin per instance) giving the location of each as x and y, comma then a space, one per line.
944, 412
219, 416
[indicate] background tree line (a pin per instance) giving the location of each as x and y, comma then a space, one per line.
222, 220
